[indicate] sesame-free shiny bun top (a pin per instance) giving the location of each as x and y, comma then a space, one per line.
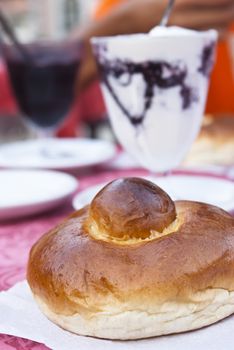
134, 264
132, 208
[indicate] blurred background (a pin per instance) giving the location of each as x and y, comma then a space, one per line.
50, 19
56, 19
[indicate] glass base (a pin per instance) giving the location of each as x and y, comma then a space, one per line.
166, 181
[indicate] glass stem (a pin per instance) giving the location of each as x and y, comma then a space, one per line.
45, 133
170, 188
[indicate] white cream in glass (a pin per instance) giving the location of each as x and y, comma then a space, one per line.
155, 88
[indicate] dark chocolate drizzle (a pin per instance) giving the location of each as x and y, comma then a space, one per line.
156, 75
207, 59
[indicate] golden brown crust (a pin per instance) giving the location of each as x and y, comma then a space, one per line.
132, 207
219, 130
75, 273
215, 143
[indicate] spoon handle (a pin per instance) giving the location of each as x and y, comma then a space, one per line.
10, 33
167, 13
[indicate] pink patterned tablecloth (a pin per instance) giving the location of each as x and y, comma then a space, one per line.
16, 239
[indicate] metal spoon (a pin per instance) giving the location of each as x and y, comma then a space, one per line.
167, 13
12, 36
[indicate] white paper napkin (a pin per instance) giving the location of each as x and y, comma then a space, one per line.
20, 316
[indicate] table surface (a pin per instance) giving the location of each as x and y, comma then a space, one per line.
16, 239
19, 236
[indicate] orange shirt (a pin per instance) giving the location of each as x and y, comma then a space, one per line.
106, 6
221, 92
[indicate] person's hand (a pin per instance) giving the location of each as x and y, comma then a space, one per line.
194, 14
203, 14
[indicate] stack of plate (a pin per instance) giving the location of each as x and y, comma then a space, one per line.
28, 187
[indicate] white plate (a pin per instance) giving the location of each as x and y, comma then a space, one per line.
60, 154
125, 161
208, 189
29, 192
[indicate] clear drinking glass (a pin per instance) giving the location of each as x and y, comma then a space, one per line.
43, 81
43, 74
155, 89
